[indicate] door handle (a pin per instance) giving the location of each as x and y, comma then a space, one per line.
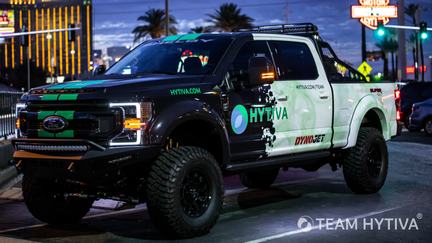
324, 96
282, 98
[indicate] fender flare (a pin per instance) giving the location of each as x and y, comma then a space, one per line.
185, 111
366, 104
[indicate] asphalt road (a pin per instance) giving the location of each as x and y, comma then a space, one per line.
400, 212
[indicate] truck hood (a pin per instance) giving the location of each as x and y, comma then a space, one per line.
122, 89
138, 83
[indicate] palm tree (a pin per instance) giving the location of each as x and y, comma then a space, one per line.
229, 18
388, 45
411, 11
201, 29
154, 20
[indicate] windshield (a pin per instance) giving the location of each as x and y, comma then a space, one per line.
173, 55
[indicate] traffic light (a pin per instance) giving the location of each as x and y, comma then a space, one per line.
423, 31
71, 33
380, 31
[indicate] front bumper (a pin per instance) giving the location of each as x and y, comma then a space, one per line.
78, 150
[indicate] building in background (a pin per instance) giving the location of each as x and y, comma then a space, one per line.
55, 53
115, 53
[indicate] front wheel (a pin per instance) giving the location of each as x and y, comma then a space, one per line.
185, 191
365, 165
46, 201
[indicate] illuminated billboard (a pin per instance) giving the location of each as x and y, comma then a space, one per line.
369, 12
7, 21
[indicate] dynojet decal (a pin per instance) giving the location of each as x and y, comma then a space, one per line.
241, 117
309, 139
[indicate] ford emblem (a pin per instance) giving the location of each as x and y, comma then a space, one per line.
54, 123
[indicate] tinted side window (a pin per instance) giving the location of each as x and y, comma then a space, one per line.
294, 61
248, 50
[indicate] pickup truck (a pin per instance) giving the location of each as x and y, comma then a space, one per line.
169, 120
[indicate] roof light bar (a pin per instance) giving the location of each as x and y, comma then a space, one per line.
297, 28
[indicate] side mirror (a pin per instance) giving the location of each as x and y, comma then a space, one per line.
99, 70
261, 71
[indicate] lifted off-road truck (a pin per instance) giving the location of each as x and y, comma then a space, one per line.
176, 114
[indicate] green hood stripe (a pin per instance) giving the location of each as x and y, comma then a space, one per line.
76, 85
189, 37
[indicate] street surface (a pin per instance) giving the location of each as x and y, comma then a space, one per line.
402, 207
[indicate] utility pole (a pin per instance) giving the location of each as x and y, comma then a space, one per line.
166, 18
402, 57
363, 47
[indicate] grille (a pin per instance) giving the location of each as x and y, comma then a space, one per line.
91, 122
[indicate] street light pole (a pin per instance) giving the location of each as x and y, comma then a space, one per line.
28, 68
166, 18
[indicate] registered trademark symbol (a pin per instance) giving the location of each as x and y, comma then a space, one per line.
419, 216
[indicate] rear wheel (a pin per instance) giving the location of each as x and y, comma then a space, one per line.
365, 166
428, 126
185, 191
46, 201
259, 179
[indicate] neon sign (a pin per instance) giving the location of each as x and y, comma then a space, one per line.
369, 12
7, 21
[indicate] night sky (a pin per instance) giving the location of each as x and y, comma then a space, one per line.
115, 19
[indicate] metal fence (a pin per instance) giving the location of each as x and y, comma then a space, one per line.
8, 101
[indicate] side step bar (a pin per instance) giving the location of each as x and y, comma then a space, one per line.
293, 160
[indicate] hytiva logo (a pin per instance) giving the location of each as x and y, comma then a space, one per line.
241, 117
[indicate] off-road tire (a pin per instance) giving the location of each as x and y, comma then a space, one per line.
365, 165
259, 179
170, 192
46, 202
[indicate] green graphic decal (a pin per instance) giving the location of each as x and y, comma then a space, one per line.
186, 37
188, 91
76, 84
65, 134
68, 97
43, 114
240, 118
49, 97
45, 134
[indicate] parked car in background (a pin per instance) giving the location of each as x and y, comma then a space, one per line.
421, 117
413, 92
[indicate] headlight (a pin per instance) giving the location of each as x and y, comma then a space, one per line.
18, 108
135, 118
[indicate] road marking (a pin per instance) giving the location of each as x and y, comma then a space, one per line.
299, 231
144, 207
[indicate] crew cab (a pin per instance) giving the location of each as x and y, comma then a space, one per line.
176, 114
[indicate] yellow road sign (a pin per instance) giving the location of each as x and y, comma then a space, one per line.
365, 69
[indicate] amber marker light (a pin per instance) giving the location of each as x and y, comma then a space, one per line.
269, 75
133, 124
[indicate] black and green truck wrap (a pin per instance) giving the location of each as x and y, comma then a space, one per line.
171, 118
